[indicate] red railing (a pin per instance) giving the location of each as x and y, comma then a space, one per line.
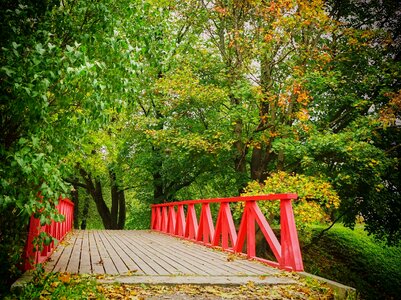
57, 230
172, 218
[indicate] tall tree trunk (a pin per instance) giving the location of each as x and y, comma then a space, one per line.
158, 194
158, 187
240, 147
263, 155
122, 212
114, 199
118, 208
75, 199
95, 190
101, 206
111, 219
85, 213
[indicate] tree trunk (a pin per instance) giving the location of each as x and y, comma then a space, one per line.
101, 206
118, 209
111, 219
122, 212
240, 161
262, 155
75, 199
85, 213
114, 199
158, 187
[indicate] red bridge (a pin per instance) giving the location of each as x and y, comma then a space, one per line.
165, 250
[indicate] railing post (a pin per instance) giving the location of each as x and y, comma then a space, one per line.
164, 219
171, 220
250, 231
191, 223
205, 229
152, 218
225, 227
180, 223
291, 252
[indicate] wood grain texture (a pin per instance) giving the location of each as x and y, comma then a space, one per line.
139, 252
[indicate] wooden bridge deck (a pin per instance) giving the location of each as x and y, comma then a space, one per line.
133, 252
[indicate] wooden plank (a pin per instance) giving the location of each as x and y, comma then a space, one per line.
130, 264
198, 266
148, 266
161, 255
62, 263
157, 254
53, 259
255, 266
96, 262
175, 247
152, 253
126, 246
85, 264
73, 263
116, 252
148, 259
113, 254
210, 263
105, 259
212, 257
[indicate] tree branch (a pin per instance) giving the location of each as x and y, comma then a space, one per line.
76, 183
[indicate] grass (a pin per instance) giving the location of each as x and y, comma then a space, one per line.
355, 259
57, 286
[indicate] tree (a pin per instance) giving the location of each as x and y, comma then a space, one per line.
55, 87
305, 91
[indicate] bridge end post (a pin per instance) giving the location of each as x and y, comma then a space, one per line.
291, 253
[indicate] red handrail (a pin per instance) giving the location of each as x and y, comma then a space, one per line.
57, 230
170, 218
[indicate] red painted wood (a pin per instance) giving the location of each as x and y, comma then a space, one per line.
57, 230
291, 251
250, 231
225, 228
224, 234
164, 219
269, 197
191, 224
158, 219
153, 218
205, 229
242, 232
180, 223
171, 220
267, 231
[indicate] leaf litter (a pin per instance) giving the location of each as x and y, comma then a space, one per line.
73, 286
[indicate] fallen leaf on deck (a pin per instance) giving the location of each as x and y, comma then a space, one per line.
130, 272
64, 277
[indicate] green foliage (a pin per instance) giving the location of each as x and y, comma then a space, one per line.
58, 286
139, 215
12, 243
317, 200
356, 259
55, 87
